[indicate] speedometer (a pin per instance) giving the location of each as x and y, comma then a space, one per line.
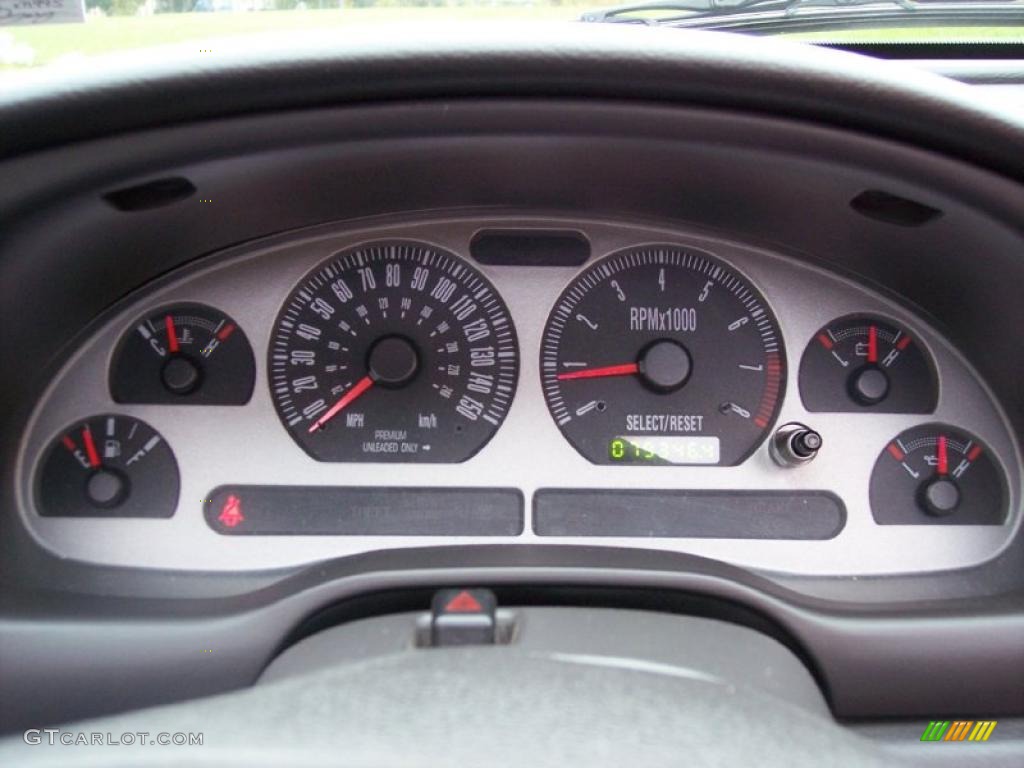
393, 351
662, 355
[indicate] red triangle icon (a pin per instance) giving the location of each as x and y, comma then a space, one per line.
463, 603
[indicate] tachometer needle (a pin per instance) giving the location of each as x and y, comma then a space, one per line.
599, 373
359, 388
90, 448
942, 463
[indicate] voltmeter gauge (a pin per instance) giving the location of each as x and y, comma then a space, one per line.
863, 363
936, 473
186, 353
108, 466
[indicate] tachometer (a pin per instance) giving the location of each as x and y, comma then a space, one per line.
662, 355
395, 352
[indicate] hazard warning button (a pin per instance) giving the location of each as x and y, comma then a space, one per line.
462, 617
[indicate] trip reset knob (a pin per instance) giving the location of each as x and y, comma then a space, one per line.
794, 444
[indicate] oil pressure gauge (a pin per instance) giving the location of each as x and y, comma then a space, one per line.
936, 473
864, 363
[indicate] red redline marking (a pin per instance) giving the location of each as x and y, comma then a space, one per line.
69, 444
896, 452
903, 343
770, 396
597, 373
90, 448
172, 334
975, 453
872, 344
943, 456
358, 388
826, 342
226, 331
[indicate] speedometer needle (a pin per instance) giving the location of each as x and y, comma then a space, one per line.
360, 387
599, 373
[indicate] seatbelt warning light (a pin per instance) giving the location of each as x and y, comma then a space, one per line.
231, 514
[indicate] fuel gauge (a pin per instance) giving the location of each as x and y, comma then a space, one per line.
108, 466
935, 473
186, 353
863, 363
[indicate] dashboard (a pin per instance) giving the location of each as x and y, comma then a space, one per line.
517, 378
632, 320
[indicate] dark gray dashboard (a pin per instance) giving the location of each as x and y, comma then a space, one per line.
762, 175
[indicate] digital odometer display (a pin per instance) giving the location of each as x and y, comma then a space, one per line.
393, 352
660, 449
662, 355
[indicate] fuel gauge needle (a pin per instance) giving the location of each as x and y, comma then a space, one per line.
349, 397
90, 448
599, 373
942, 460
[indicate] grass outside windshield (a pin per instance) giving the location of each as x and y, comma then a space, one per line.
121, 25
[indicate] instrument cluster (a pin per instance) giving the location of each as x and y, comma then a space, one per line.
472, 380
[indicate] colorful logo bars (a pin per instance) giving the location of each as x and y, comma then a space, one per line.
958, 730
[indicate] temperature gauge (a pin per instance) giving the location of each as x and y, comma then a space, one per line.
937, 474
108, 466
860, 363
187, 353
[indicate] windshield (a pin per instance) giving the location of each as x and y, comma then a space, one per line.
37, 33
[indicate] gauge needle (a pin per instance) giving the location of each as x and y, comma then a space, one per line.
600, 373
872, 344
90, 448
942, 465
360, 386
172, 334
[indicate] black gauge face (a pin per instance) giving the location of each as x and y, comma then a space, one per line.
862, 363
186, 353
660, 355
393, 352
108, 466
937, 474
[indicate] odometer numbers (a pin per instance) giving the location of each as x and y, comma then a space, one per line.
395, 352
